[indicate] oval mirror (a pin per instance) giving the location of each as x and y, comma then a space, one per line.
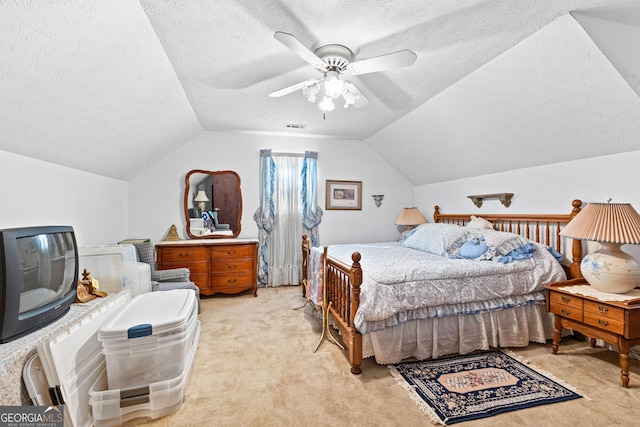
212, 204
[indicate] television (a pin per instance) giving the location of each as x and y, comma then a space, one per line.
38, 277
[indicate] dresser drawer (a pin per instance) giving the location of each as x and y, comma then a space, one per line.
604, 310
195, 267
185, 254
229, 252
568, 300
232, 265
200, 279
567, 311
603, 322
231, 280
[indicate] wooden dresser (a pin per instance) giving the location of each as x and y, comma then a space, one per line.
227, 266
615, 322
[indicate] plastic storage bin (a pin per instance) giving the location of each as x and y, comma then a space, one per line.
150, 339
116, 267
113, 407
70, 361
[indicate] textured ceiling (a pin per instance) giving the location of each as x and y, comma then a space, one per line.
111, 86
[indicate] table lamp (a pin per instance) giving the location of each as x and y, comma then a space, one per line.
202, 200
608, 269
410, 217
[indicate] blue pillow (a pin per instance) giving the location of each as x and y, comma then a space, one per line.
523, 252
473, 249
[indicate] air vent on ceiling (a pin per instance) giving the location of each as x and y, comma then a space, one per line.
295, 126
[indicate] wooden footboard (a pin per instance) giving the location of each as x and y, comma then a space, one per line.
343, 292
343, 281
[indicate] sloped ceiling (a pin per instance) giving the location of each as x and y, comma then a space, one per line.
111, 86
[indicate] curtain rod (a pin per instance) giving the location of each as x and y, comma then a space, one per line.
287, 154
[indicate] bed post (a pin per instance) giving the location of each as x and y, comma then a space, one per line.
306, 248
355, 349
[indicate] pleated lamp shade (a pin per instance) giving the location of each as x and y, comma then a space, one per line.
605, 222
608, 269
410, 217
201, 197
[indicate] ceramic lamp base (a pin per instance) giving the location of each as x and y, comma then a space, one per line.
609, 269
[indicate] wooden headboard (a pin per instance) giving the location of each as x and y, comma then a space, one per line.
541, 228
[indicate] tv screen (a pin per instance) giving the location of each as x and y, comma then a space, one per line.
38, 277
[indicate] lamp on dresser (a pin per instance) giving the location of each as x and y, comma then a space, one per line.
612, 225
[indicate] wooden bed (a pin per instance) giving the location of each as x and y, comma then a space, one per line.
343, 281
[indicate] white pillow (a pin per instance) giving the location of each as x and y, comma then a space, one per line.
437, 238
479, 223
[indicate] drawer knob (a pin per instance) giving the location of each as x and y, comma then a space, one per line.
231, 267
565, 312
231, 252
565, 299
602, 309
232, 280
603, 323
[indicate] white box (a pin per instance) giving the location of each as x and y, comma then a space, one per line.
113, 407
150, 339
115, 267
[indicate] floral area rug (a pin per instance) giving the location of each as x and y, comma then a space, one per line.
463, 388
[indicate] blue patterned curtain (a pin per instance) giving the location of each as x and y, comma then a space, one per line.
311, 212
265, 213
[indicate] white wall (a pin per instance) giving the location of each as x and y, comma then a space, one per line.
543, 189
33, 192
156, 194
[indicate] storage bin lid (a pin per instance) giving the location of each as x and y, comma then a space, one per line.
153, 313
73, 358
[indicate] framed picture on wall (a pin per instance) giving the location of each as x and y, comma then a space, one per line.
344, 195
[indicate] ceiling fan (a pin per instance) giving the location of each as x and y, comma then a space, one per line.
332, 60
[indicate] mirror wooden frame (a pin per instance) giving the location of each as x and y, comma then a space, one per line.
230, 205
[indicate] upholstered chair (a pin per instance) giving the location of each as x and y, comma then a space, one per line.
164, 280
217, 224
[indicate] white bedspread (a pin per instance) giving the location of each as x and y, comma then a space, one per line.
401, 284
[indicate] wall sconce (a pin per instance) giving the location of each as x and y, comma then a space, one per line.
378, 199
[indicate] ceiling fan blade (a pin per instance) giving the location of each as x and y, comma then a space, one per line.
289, 89
299, 49
402, 58
360, 100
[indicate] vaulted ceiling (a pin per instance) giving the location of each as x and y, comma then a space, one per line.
111, 86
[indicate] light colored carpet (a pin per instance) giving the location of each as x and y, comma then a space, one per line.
255, 366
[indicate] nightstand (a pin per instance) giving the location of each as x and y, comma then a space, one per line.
615, 322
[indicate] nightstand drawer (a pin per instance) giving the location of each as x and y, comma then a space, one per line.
603, 322
569, 312
568, 300
604, 310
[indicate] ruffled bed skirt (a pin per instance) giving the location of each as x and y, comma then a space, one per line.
432, 338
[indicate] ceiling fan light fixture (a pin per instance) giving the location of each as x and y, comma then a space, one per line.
333, 86
310, 92
350, 98
326, 104
333, 60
